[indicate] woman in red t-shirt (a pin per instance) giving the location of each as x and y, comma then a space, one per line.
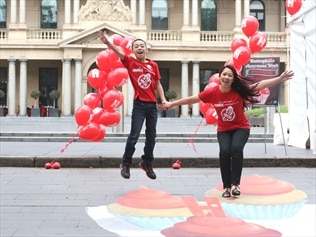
230, 98
145, 78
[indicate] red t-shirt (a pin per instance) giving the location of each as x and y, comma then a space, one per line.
229, 108
143, 77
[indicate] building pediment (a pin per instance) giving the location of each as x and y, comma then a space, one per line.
89, 38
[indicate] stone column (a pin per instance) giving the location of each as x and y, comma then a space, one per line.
66, 87
23, 86
195, 8
237, 16
11, 88
184, 87
134, 12
196, 87
186, 12
67, 11
78, 83
22, 12
13, 11
76, 4
246, 8
142, 12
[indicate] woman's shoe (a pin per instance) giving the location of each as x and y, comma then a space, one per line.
236, 190
226, 193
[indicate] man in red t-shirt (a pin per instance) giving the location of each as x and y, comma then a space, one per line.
145, 78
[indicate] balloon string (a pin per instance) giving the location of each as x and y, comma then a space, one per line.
70, 141
62, 150
193, 136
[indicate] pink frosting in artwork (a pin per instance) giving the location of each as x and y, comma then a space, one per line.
211, 226
147, 198
261, 185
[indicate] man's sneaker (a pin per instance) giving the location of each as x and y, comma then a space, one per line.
125, 171
148, 169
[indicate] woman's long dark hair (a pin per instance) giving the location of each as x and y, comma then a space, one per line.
241, 86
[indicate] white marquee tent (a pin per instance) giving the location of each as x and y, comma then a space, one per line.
302, 88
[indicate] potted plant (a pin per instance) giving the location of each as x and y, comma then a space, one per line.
2, 95
35, 111
255, 116
54, 95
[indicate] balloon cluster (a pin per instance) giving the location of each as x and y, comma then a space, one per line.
99, 109
242, 51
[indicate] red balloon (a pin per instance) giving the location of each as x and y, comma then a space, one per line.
110, 118
231, 62
95, 78
249, 25
92, 99
204, 107
211, 116
105, 59
104, 89
214, 78
258, 42
293, 6
116, 39
96, 114
127, 44
89, 132
82, 114
112, 99
100, 137
237, 43
118, 77
211, 85
241, 56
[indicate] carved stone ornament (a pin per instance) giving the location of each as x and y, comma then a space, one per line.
109, 10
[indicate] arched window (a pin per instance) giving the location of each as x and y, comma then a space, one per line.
49, 14
208, 15
3, 14
159, 15
257, 10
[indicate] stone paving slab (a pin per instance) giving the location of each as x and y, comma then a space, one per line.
43, 203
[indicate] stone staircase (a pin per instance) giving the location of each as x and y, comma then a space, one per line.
121, 137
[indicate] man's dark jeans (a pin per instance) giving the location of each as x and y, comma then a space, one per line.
142, 111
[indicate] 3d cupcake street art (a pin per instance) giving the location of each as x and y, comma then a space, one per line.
268, 207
